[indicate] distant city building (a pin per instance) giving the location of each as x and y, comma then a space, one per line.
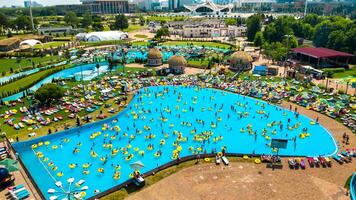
58, 30
107, 6
255, 3
179, 4
144, 4
33, 4
209, 8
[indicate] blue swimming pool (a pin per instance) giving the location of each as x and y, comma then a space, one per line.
171, 120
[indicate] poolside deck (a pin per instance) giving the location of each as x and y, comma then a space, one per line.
249, 181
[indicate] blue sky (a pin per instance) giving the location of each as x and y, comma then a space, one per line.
43, 2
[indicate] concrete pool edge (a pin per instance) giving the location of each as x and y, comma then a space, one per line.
164, 166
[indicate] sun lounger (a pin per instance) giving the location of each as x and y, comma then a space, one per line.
14, 192
21, 195
338, 159
291, 163
139, 180
322, 161
347, 155
225, 160
15, 187
302, 163
344, 158
328, 161
217, 160
316, 161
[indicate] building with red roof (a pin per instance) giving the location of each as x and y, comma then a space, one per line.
321, 57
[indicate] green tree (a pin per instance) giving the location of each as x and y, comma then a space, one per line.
23, 22
253, 26
121, 22
275, 50
162, 32
259, 40
142, 20
48, 93
4, 22
87, 20
71, 19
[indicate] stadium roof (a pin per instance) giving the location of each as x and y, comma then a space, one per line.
321, 52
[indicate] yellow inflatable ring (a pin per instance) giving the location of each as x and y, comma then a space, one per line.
257, 161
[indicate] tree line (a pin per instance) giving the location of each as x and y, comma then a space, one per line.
276, 35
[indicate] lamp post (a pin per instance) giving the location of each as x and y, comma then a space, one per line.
33, 26
287, 49
305, 8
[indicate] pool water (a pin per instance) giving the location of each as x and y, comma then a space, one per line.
171, 113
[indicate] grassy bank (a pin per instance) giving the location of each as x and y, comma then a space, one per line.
16, 64
28, 81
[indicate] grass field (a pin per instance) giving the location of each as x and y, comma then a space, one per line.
140, 36
206, 44
140, 43
7, 63
49, 44
349, 73
133, 27
165, 18
27, 81
198, 64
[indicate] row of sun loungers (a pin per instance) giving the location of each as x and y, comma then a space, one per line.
3, 153
17, 192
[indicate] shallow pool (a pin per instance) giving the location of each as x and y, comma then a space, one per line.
201, 120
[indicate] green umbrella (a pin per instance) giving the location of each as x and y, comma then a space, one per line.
10, 164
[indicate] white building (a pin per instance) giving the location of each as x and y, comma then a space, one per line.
205, 29
102, 36
209, 8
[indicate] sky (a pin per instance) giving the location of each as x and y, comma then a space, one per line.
43, 2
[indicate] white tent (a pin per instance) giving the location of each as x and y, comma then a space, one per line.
30, 43
105, 36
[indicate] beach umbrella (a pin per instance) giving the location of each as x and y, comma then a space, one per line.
10, 164
137, 165
4, 173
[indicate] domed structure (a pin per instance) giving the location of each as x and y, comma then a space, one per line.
177, 64
240, 61
154, 57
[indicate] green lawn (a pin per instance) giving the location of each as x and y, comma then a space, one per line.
207, 44
198, 64
164, 18
7, 63
50, 44
139, 43
27, 81
140, 36
349, 73
133, 27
